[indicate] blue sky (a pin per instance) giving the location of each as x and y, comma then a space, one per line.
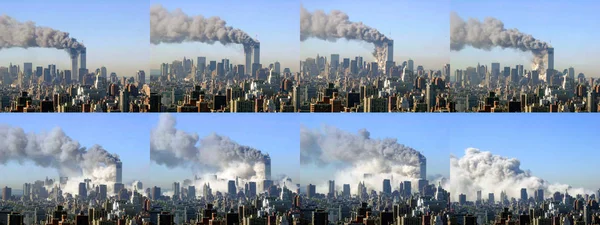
426, 133
275, 23
106, 27
123, 134
570, 27
278, 135
419, 29
556, 147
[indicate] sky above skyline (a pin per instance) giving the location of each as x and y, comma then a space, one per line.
567, 25
423, 132
122, 134
274, 23
419, 30
106, 28
560, 148
277, 135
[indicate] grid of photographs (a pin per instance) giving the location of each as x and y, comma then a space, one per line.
299, 112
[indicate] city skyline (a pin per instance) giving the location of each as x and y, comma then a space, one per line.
129, 146
276, 31
574, 43
427, 47
104, 36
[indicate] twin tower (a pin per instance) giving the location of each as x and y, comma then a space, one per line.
82, 69
251, 68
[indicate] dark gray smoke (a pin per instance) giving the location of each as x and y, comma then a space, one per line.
55, 150
15, 34
214, 154
491, 33
336, 25
177, 27
358, 154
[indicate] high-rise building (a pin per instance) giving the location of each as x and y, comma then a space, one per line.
267, 160
141, 78
74, 68
155, 193
191, 194
491, 198
410, 65
231, 189
331, 192
346, 191
82, 190
423, 168
523, 194
201, 65
387, 186
119, 169
102, 195
277, 68
462, 199
6, 193
256, 53
551, 58
407, 188
82, 59
390, 51
248, 55
176, 190
334, 61
311, 191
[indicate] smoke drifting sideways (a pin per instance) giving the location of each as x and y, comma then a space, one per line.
481, 170
354, 155
214, 155
491, 33
56, 150
15, 34
337, 25
177, 27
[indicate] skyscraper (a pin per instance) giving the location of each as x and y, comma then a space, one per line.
119, 168
523, 194
551, 58
387, 186
82, 190
331, 192
267, 160
231, 189
423, 168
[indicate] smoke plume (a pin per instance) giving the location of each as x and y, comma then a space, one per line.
56, 150
355, 155
177, 27
15, 34
481, 170
336, 25
491, 33
215, 154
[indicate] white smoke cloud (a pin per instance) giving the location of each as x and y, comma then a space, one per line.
337, 25
215, 154
355, 155
491, 33
481, 170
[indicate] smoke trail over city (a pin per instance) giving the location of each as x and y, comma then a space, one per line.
337, 25
177, 27
15, 34
355, 155
481, 170
491, 33
56, 150
215, 154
